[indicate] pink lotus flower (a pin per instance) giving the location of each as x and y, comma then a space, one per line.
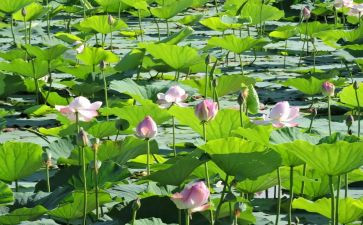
356, 10
306, 13
281, 115
328, 89
81, 105
147, 128
194, 197
175, 95
206, 110
343, 3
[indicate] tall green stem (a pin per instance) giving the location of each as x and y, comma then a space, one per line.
216, 5
329, 115
207, 172
346, 185
134, 214
105, 90
25, 31
96, 182
48, 20
291, 194
285, 53
206, 81
331, 185
84, 186
241, 63
240, 114
187, 218
278, 196
16, 186
35, 83
337, 201
302, 182
48, 180
174, 148
78, 129
50, 81
358, 104
140, 27
222, 197
148, 157
12, 29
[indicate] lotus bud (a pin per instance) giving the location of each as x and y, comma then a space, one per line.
207, 59
23, 12
147, 128
349, 121
243, 95
356, 85
328, 89
47, 159
82, 138
206, 110
102, 65
239, 207
136, 204
96, 145
306, 13
110, 20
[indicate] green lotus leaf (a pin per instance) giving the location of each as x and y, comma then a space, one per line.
12, 54
38, 110
6, 195
177, 37
112, 5
221, 126
22, 214
93, 56
235, 44
260, 134
80, 71
350, 210
50, 53
313, 28
262, 183
253, 101
100, 24
190, 20
137, 4
103, 129
177, 57
33, 11
226, 84
241, 158
311, 86
11, 6
74, 210
347, 96
216, 23
19, 160
168, 11
26, 68
131, 61
66, 37
260, 13
331, 159
176, 170
284, 32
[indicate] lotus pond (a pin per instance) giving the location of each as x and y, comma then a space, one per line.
161, 112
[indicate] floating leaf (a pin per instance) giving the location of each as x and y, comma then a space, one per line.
235, 44
100, 24
23, 214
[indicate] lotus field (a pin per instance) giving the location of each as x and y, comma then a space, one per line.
181, 112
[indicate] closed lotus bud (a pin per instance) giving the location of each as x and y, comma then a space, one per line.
95, 165
349, 121
239, 207
328, 89
243, 95
147, 128
47, 158
23, 12
136, 204
102, 65
207, 59
96, 145
356, 85
306, 13
110, 20
206, 110
82, 138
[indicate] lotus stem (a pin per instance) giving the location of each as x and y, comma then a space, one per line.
206, 81
285, 53
35, 83
48, 180
78, 129
331, 185
337, 201
16, 186
25, 31
134, 214
187, 218
157, 27
278, 196
346, 185
48, 21
12, 29
303, 183
204, 124
174, 148
180, 216
167, 27
329, 115
240, 114
119, 10
241, 63
96, 181
358, 109
105, 90
216, 5
30, 31
291, 194
111, 37
222, 197
148, 157
140, 27
263, 2
50, 81
84, 186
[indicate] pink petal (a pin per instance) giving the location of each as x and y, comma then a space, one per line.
280, 111
95, 106
200, 208
87, 115
294, 113
160, 96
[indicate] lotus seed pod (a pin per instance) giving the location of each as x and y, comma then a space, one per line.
23, 12
356, 85
110, 20
82, 138
349, 121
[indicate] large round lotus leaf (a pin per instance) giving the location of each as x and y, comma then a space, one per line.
10, 6
350, 210
331, 159
19, 159
241, 158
